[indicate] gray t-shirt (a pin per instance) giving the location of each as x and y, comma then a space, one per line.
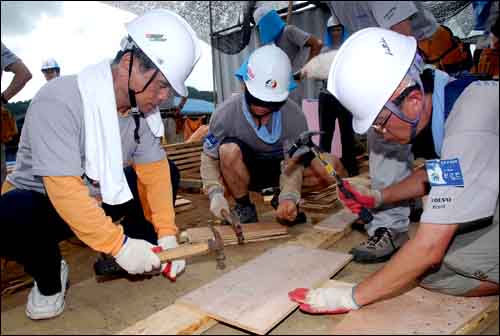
8, 58
53, 137
357, 15
292, 42
471, 135
228, 121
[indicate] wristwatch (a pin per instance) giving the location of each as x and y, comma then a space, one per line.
4, 101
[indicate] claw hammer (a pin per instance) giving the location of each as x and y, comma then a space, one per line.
304, 141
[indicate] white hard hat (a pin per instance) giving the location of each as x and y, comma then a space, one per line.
49, 63
366, 71
332, 21
268, 74
170, 42
260, 12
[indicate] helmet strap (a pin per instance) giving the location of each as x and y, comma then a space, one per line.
136, 114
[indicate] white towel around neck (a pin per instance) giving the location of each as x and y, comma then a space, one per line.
103, 147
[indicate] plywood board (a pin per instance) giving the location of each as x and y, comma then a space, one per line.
337, 222
173, 320
416, 312
255, 295
251, 231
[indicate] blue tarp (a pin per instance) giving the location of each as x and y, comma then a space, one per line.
195, 107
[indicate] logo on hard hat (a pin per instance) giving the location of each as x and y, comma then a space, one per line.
271, 83
156, 37
386, 47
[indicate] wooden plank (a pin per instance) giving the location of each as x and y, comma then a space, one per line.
254, 296
178, 152
418, 311
250, 231
173, 320
188, 160
337, 222
312, 238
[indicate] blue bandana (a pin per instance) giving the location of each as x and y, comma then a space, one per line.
270, 27
262, 132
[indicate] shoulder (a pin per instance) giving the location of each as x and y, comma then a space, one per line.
56, 98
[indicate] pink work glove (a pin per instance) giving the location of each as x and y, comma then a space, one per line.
364, 197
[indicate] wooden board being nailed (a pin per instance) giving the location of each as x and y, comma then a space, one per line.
251, 231
254, 296
416, 312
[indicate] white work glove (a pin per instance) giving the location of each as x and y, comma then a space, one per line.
172, 268
136, 256
335, 300
218, 203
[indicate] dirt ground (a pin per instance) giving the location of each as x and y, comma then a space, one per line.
111, 306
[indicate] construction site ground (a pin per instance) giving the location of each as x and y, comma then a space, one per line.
108, 307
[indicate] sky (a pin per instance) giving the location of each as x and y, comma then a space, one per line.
76, 34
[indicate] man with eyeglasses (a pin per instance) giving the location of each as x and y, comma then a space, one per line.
100, 121
455, 249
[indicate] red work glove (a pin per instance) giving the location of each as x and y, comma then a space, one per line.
335, 300
363, 197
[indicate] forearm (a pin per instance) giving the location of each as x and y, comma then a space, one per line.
70, 197
405, 267
413, 186
21, 77
155, 191
210, 172
291, 183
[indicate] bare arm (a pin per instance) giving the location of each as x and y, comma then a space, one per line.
405, 267
21, 76
415, 185
316, 45
404, 27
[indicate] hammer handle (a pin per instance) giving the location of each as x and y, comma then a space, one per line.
183, 251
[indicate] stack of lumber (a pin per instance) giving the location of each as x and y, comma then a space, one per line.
182, 204
187, 158
322, 201
252, 232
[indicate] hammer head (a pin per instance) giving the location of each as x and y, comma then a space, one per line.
217, 245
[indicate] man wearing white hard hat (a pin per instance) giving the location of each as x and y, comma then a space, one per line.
69, 160
247, 135
50, 69
390, 162
299, 45
455, 249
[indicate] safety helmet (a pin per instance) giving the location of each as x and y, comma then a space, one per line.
170, 42
260, 12
268, 74
366, 71
332, 21
49, 63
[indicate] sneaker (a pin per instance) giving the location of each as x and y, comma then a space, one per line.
246, 213
40, 306
380, 247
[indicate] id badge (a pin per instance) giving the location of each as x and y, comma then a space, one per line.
444, 173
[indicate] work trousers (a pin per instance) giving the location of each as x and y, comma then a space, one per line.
329, 109
389, 164
32, 229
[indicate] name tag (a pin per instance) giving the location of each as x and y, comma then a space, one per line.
444, 173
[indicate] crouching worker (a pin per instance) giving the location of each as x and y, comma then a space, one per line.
455, 248
247, 134
79, 149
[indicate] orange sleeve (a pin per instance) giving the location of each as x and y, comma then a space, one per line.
155, 192
70, 197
